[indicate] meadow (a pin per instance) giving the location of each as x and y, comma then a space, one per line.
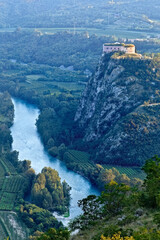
109, 30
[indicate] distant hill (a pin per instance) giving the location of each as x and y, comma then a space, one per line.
137, 15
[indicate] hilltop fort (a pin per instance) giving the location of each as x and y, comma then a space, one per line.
118, 47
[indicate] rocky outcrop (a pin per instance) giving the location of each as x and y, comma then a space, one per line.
116, 112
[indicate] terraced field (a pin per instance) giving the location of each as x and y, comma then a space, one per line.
131, 172
11, 184
8, 167
80, 158
73, 157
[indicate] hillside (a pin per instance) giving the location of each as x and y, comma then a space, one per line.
82, 14
118, 114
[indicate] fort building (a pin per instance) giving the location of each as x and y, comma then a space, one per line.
119, 47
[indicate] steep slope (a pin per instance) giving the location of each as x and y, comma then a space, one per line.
119, 111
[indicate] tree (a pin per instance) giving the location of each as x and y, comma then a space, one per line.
111, 202
151, 193
117, 236
114, 198
48, 191
53, 234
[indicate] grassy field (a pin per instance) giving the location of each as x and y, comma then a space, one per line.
34, 77
54, 86
109, 30
69, 86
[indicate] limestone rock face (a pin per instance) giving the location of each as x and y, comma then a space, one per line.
119, 111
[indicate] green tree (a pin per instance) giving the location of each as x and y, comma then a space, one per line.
111, 202
48, 191
114, 198
53, 234
151, 192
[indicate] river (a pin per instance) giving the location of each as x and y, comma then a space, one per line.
27, 142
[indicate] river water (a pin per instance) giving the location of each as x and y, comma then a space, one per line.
27, 142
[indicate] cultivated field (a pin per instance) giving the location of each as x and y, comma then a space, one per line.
131, 172
11, 184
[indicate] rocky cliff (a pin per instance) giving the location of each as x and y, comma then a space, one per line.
119, 111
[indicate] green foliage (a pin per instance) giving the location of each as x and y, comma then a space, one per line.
61, 50
122, 205
147, 234
110, 203
6, 119
48, 192
131, 172
56, 121
38, 218
114, 198
107, 174
12, 188
151, 195
101, 174
53, 234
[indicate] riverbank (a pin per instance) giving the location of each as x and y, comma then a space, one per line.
55, 133
13, 184
27, 141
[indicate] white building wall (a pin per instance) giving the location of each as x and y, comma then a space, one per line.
131, 50
108, 49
